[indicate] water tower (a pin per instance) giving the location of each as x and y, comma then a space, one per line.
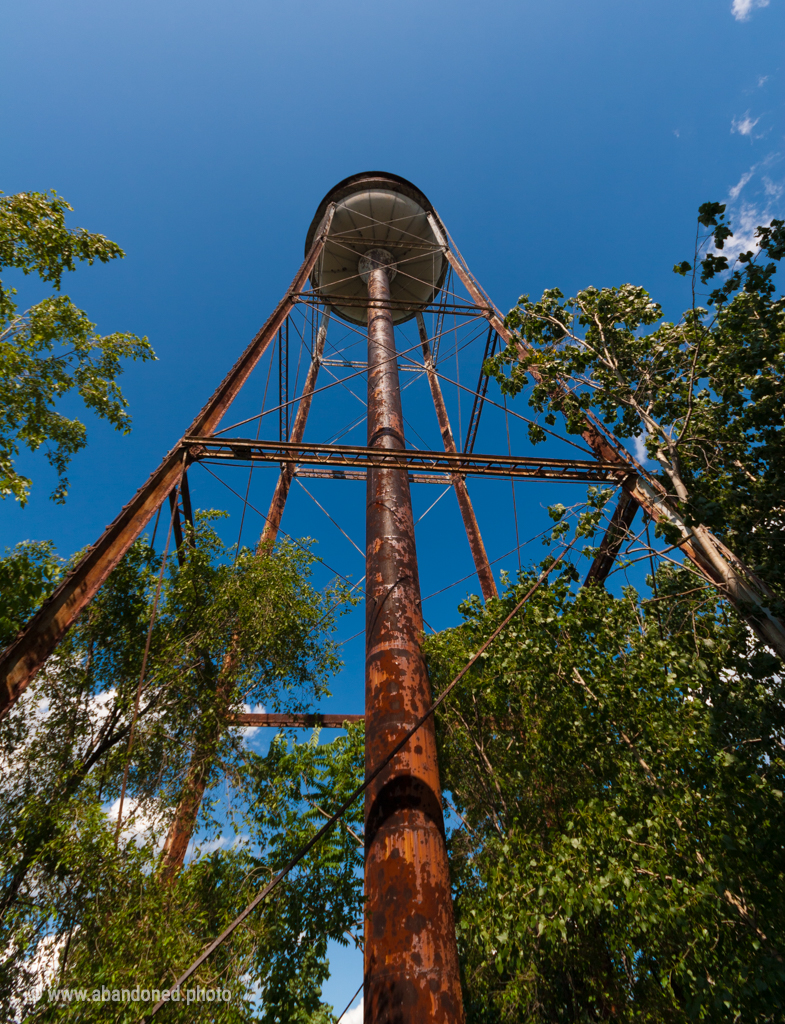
377, 258
380, 265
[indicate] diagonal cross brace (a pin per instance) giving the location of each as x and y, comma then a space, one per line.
278, 503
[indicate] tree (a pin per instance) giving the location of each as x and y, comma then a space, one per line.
52, 348
95, 906
28, 574
618, 768
617, 761
706, 394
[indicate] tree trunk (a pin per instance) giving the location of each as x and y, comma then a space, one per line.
182, 828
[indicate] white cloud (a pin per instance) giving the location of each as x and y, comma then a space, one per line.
744, 221
211, 845
250, 731
772, 188
35, 975
745, 125
734, 192
137, 823
640, 449
762, 80
355, 1015
742, 9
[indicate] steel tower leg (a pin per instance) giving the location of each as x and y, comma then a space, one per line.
411, 958
473, 535
736, 581
615, 536
278, 503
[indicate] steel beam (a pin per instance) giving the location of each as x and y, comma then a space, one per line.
21, 660
460, 309
236, 449
480, 392
182, 518
473, 535
617, 531
278, 503
296, 720
362, 474
411, 959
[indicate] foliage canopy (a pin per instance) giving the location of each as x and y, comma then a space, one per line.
52, 348
619, 769
99, 913
706, 395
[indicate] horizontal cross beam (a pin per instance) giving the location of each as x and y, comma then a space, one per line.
361, 474
459, 308
297, 721
355, 364
233, 449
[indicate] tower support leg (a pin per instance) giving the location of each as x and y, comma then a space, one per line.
21, 660
616, 534
281, 493
484, 572
411, 958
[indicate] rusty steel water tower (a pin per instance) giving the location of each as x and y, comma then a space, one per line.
382, 264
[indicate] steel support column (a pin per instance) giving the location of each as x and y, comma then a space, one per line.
411, 960
473, 535
182, 519
617, 531
281, 493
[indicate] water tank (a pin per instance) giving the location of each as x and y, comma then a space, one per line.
377, 210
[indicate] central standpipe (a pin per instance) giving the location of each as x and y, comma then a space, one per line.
411, 958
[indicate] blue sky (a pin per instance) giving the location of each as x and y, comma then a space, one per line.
564, 144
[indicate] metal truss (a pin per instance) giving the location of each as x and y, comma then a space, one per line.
227, 449
296, 720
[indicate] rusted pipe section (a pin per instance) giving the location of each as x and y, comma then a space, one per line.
411, 959
473, 535
281, 493
183, 824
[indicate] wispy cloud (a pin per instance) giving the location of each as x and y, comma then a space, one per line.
736, 190
744, 222
745, 125
760, 201
762, 80
742, 9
